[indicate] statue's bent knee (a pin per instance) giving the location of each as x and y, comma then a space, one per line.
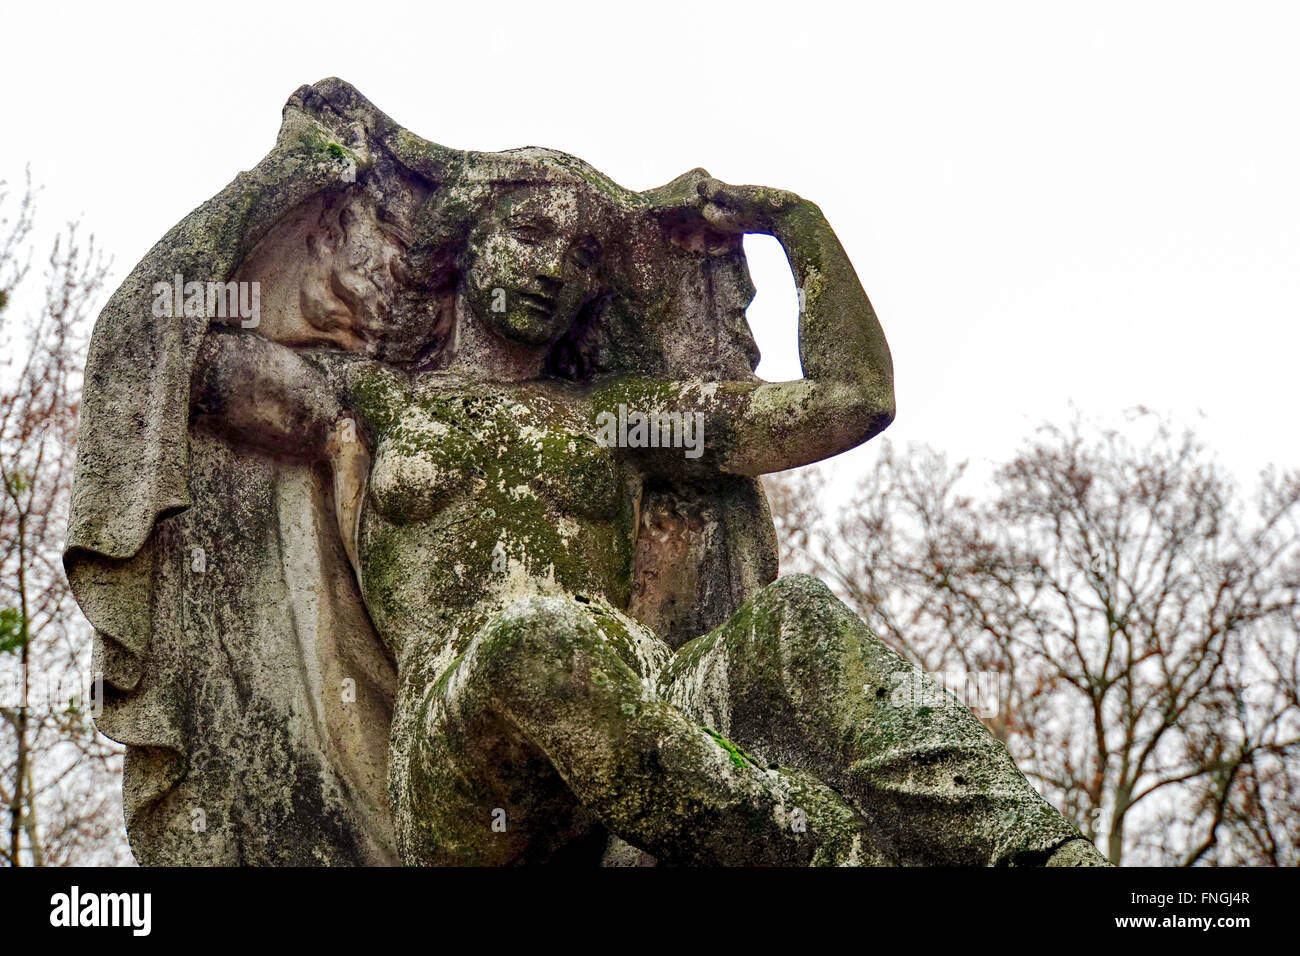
532, 645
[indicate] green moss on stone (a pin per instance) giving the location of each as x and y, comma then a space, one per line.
739, 757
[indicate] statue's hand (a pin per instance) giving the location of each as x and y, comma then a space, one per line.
741, 209
680, 195
350, 462
727, 208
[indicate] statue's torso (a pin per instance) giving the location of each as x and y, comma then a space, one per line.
480, 493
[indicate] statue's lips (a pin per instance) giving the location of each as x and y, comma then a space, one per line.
537, 302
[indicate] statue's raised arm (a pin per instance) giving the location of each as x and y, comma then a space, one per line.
847, 393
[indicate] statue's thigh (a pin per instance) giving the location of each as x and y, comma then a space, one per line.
799, 678
788, 657
471, 780
467, 787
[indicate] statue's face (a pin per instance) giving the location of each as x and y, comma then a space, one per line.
533, 263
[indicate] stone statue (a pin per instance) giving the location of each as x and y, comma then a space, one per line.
418, 519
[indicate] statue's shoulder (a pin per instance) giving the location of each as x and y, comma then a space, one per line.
374, 389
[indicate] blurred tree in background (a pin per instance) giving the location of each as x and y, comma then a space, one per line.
59, 780
1131, 615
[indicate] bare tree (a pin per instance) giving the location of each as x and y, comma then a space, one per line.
59, 780
1137, 613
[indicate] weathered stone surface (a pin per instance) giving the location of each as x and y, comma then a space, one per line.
389, 574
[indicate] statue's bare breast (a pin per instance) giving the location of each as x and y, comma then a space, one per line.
479, 494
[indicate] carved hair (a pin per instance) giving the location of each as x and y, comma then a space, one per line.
360, 255
380, 264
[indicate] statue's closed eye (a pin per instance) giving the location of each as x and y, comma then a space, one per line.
530, 231
586, 253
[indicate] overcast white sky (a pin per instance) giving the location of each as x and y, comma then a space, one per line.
1047, 202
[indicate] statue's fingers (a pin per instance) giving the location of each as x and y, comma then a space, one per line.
682, 192
710, 188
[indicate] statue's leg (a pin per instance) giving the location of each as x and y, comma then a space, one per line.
468, 790
557, 690
798, 679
